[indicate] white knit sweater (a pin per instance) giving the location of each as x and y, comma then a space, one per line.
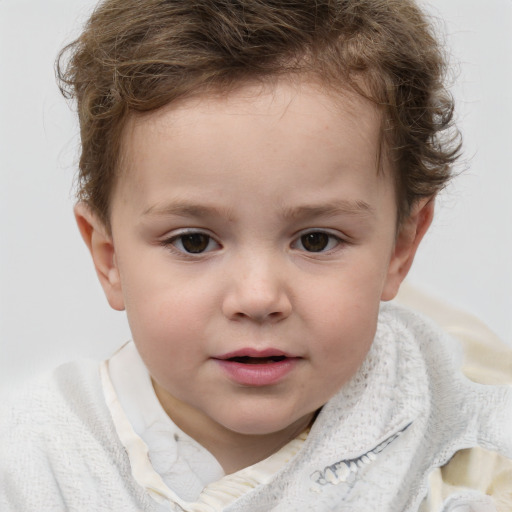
372, 447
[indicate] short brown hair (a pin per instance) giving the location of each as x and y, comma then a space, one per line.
138, 56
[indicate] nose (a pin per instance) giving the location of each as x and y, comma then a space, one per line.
257, 291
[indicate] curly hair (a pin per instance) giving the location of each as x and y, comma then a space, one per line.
138, 56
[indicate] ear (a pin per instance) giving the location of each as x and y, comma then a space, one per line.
101, 247
407, 241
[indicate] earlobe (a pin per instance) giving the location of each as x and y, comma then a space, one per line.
101, 246
407, 242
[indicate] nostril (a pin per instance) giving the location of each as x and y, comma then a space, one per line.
257, 317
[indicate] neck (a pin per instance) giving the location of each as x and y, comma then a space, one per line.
233, 450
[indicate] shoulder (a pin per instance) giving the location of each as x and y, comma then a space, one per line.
58, 398
52, 415
58, 448
481, 472
450, 338
485, 358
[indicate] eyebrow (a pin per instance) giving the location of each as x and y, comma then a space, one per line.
186, 209
330, 209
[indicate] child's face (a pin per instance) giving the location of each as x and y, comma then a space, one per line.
253, 238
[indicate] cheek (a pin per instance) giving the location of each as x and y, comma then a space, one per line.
166, 336
348, 333
166, 316
163, 318
345, 311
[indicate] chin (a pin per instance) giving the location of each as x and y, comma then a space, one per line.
264, 423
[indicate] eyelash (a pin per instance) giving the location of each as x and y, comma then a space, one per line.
332, 242
171, 243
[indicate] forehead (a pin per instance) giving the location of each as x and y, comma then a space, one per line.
292, 128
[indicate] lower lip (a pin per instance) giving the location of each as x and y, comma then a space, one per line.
264, 374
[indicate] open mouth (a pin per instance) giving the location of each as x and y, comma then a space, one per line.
256, 360
257, 368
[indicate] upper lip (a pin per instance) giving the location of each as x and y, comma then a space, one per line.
254, 352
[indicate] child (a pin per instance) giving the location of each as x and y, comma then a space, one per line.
255, 179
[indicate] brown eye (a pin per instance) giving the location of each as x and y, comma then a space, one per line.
195, 242
315, 242
191, 242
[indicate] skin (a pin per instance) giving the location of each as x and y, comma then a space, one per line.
255, 172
